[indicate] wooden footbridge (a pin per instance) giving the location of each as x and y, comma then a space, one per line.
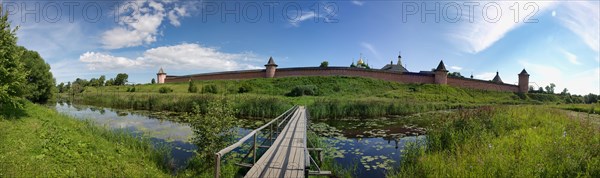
287, 153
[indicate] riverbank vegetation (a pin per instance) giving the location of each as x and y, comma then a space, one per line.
327, 97
504, 141
37, 141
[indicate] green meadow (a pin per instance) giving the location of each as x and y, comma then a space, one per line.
331, 97
507, 141
39, 142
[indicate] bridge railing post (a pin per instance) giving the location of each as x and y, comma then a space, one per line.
217, 165
254, 150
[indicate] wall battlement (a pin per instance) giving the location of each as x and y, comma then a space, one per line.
439, 76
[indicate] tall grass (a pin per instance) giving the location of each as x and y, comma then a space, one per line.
506, 142
373, 108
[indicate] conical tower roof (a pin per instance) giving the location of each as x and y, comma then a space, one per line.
161, 71
271, 62
497, 78
523, 72
441, 67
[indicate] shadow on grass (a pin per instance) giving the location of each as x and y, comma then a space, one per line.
11, 113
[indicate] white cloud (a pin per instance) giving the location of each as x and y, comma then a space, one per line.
583, 19
183, 56
101, 61
141, 26
358, 3
456, 68
476, 36
485, 76
571, 57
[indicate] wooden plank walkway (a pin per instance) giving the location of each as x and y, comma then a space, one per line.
286, 157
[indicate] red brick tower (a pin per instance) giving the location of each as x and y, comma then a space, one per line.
271, 67
441, 74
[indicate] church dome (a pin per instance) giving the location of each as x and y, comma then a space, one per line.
360, 62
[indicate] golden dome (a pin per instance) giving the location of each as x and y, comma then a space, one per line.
360, 61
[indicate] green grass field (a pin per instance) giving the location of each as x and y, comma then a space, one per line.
503, 141
38, 142
331, 97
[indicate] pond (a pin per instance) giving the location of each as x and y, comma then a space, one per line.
369, 148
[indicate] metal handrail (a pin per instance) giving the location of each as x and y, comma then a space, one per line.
239, 143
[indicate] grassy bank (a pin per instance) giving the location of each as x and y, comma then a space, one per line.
40, 142
506, 142
328, 97
586, 108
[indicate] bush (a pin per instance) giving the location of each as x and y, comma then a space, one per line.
192, 87
302, 90
210, 89
131, 89
245, 89
165, 90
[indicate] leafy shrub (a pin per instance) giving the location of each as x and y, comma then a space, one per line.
302, 90
192, 88
210, 89
165, 90
245, 89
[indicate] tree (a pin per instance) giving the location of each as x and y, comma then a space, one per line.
81, 82
68, 86
192, 88
550, 88
121, 79
565, 92
455, 74
324, 64
153, 81
94, 82
61, 87
590, 98
541, 90
101, 80
12, 72
40, 82
110, 82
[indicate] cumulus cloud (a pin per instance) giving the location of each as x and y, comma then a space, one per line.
139, 22
184, 56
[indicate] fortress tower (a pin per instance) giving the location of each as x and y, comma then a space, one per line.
441, 74
523, 82
161, 76
271, 67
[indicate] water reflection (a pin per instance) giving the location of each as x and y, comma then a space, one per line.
373, 155
159, 131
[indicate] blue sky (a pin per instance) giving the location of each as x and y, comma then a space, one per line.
84, 39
